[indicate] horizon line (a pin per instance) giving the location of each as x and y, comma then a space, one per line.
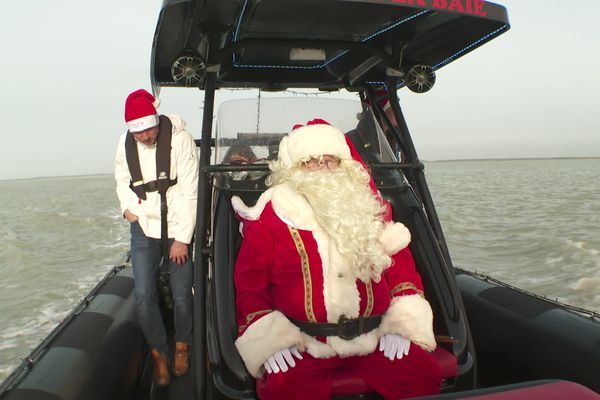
428, 161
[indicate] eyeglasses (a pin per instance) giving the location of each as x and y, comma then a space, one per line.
327, 161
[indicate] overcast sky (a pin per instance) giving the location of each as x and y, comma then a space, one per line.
68, 65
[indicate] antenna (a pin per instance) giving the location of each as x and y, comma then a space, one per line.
258, 112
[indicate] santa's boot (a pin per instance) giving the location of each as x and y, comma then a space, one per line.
161, 368
182, 359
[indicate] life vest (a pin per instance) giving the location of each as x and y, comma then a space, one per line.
163, 162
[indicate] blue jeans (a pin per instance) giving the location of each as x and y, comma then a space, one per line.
145, 259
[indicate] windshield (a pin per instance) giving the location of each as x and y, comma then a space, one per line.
249, 131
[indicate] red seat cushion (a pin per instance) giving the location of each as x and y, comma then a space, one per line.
346, 383
447, 361
550, 391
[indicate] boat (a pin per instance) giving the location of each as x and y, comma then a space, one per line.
494, 340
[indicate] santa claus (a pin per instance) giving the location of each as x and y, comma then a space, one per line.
325, 279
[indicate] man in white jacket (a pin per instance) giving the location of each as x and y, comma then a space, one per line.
139, 175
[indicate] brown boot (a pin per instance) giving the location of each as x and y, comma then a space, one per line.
161, 368
182, 359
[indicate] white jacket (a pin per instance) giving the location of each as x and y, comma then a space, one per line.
181, 198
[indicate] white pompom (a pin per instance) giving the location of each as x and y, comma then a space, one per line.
156, 102
395, 237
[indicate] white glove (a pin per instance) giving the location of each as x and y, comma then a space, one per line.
394, 346
280, 360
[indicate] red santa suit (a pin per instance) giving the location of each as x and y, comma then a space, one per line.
289, 267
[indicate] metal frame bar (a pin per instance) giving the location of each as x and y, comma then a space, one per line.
201, 254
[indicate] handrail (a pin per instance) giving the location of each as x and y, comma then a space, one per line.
210, 169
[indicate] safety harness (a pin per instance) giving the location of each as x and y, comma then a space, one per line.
163, 162
161, 184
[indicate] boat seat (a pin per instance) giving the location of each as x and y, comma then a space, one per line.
546, 389
447, 361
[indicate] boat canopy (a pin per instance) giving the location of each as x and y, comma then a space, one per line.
326, 44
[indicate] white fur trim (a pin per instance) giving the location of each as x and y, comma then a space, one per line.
395, 237
335, 346
359, 346
143, 123
289, 205
253, 212
411, 317
340, 292
283, 154
317, 349
313, 140
341, 297
293, 208
266, 336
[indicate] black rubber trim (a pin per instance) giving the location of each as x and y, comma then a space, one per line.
119, 286
516, 302
85, 332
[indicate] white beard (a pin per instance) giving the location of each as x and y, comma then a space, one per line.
347, 210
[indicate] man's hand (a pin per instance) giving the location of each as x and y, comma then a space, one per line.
280, 360
178, 252
394, 346
129, 216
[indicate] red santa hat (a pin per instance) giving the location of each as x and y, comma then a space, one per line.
140, 111
314, 139
317, 138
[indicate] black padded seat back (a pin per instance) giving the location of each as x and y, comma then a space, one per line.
226, 363
423, 246
438, 279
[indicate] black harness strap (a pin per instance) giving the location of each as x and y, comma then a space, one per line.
133, 162
163, 161
153, 187
163, 181
163, 155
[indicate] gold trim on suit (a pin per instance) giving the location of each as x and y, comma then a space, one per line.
370, 300
308, 298
250, 316
406, 286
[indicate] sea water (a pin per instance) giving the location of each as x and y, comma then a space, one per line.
532, 223
58, 237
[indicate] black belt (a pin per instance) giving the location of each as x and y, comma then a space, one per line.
345, 328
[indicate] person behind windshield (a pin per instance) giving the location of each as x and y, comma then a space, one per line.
364, 138
325, 279
144, 215
391, 137
239, 154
